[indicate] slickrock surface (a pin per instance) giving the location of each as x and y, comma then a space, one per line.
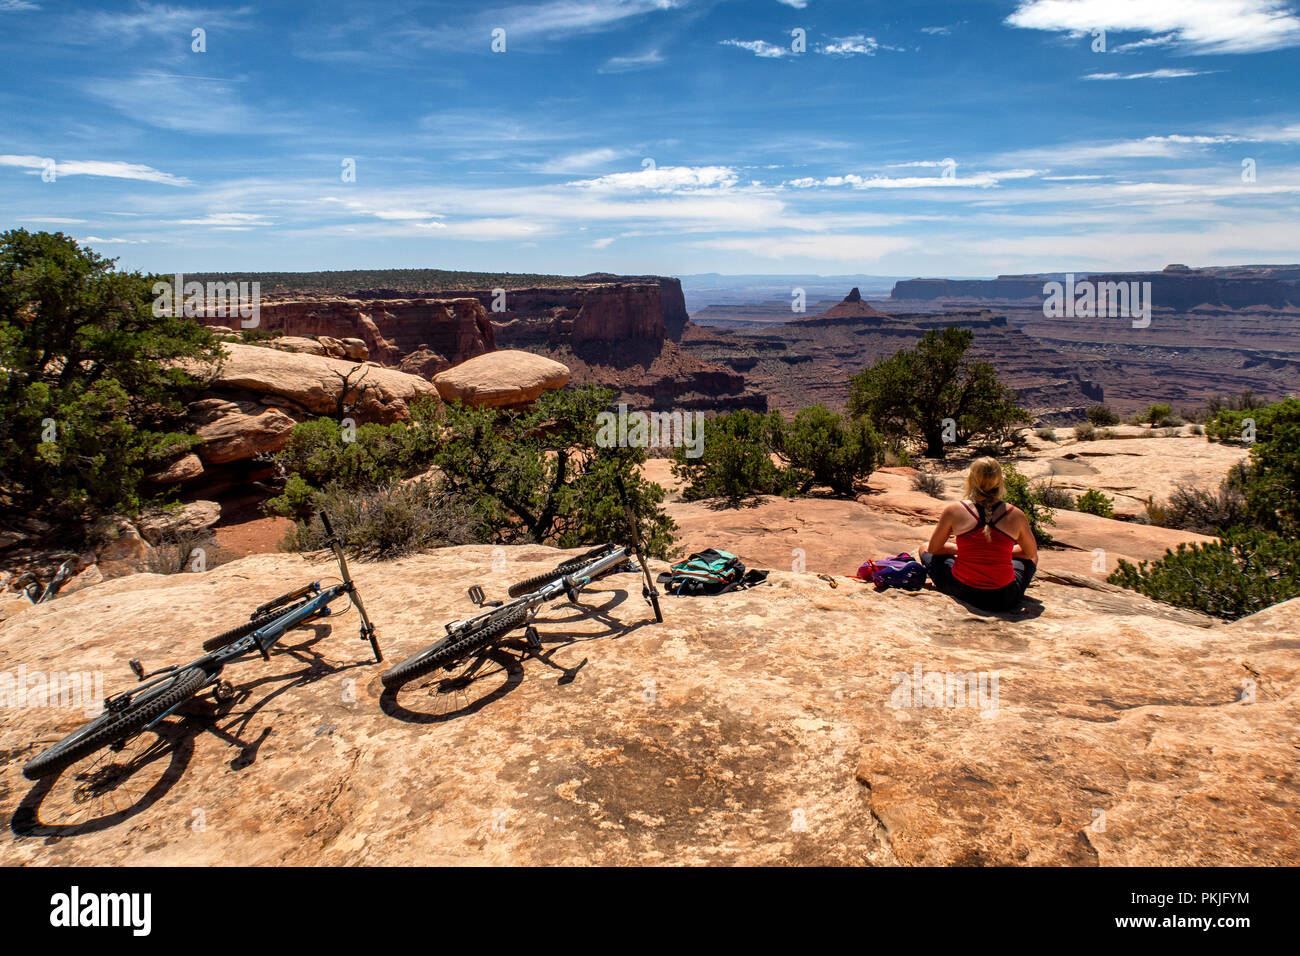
755, 727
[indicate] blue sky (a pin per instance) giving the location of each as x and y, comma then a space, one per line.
658, 136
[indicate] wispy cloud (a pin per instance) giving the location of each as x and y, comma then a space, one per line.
582, 161
856, 45
828, 248
665, 179
526, 21
626, 64
14, 6
1198, 26
758, 47
797, 4
96, 167
983, 180
1163, 74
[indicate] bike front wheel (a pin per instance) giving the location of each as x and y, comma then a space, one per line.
110, 728
452, 648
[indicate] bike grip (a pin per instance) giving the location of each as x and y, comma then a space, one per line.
325, 520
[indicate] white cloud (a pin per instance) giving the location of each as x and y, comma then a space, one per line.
578, 162
14, 6
665, 179
851, 46
600, 243
797, 4
976, 180
1199, 26
626, 64
56, 220
173, 102
937, 31
1149, 147
97, 167
831, 248
127, 242
1162, 74
241, 219
758, 47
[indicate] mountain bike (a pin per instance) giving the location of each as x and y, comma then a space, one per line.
159, 693
467, 642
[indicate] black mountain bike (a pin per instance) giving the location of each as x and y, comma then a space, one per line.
159, 693
467, 642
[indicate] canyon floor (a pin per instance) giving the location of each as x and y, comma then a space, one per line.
765, 726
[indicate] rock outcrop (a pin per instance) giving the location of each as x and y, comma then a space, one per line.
457, 327
372, 393
787, 724
505, 378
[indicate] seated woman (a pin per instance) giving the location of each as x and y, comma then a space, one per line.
995, 556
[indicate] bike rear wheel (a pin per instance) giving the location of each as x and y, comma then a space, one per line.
451, 649
243, 630
109, 728
568, 567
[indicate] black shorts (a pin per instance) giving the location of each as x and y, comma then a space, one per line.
1005, 598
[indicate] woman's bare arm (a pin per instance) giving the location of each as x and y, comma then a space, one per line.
1026, 547
942, 532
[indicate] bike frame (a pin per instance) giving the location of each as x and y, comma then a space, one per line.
571, 585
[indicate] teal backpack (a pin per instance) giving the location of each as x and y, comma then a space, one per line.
708, 572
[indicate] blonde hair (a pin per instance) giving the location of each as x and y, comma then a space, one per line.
984, 487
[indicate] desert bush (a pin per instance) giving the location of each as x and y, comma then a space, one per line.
1197, 429
822, 448
1245, 572
1093, 502
737, 460
1206, 512
1156, 415
92, 388
1102, 415
176, 552
896, 456
1053, 497
1019, 494
908, 396
931, 484
1084, 431
388, 521
1046, 434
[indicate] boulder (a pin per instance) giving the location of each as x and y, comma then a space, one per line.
236, 431
299, 343
186, 468
86, 578
503, 378
374, 394
124, 551
424, 362
192, 518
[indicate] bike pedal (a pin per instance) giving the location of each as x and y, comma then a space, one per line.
477, 596
136, 668
534, 640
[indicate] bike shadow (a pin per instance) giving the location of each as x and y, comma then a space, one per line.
97, 794
442, 699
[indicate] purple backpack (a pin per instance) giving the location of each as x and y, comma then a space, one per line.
902, 571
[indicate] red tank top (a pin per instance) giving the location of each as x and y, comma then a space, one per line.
981, 563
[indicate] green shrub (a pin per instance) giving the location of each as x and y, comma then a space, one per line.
737, 460
908, 396
1046, 434
92, 387
1270, 484
931, 484
1102, 415
824, 449
1019, 494
1206, 512
1245, 572
1093, 502
1197, 429
1084, 431
1157, 415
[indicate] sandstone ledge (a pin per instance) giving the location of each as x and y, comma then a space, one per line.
751, 728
